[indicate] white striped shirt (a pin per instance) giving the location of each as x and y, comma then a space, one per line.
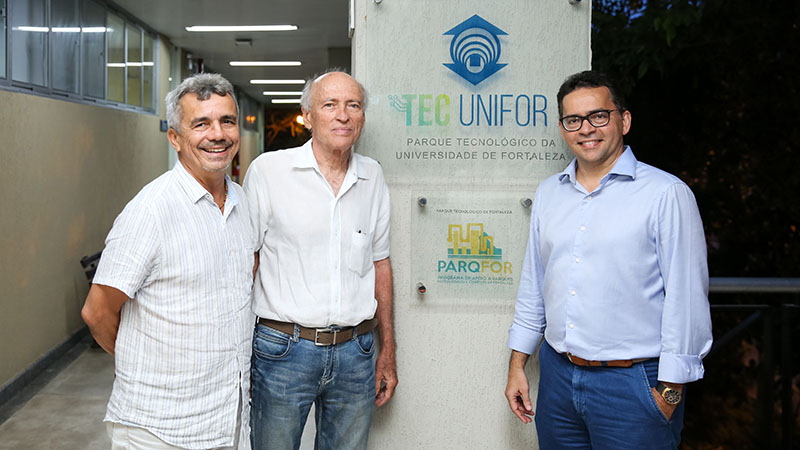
183, 346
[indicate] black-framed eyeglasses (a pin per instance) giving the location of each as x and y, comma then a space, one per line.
597, 119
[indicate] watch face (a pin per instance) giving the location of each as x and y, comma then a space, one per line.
672, 396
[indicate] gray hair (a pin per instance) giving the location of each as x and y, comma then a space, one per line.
306, 97
202, 85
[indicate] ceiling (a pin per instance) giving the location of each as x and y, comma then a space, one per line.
321, 25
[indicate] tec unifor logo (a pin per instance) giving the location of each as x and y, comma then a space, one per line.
475, 49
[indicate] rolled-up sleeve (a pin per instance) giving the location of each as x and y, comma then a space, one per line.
528, 326
686, 319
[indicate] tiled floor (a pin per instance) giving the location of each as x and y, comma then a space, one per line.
63, 408
67, 412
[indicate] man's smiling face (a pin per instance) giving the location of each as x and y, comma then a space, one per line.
209, 135
595, 147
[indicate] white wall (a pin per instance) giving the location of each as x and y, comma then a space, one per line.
452, 353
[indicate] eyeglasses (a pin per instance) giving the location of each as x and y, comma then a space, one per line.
599, 118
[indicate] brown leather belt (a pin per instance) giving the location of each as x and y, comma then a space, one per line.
617, 363
322, 336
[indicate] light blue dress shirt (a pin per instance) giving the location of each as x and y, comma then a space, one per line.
617, 273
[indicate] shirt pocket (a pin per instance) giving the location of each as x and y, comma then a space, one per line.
359, 258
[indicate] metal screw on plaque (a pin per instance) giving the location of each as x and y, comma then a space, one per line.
421, 288
526, 202
574, 2
377, 1
422, 201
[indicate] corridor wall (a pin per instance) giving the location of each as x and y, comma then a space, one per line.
66, 170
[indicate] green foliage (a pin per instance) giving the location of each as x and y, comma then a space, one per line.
713, 90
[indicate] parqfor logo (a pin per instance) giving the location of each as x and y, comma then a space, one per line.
475, 49
472, 250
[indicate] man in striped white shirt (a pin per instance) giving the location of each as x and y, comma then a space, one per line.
171, 296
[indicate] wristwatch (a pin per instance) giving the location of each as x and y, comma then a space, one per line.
671, 396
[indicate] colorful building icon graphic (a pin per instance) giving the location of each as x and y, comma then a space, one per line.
471, 242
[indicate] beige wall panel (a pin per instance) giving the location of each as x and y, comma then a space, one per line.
68, 169
249, 150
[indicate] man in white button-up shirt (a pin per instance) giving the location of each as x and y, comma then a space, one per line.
321, 215
171, 296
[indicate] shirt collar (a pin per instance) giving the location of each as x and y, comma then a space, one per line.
195, 191
304, 159
625, 166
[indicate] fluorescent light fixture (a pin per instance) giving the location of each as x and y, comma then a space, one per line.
63, 29
34, 29
115, 64
264, 63
132, 64
277, 81
283, 92
285, 100
209, 28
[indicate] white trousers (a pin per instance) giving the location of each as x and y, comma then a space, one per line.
126, 437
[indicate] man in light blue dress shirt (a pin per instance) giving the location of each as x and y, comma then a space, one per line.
615, 279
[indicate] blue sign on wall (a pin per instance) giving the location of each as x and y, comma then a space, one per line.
475, 49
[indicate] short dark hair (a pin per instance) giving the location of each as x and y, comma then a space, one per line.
589, 79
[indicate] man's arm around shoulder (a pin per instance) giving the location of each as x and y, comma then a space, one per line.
102, 313
386, 366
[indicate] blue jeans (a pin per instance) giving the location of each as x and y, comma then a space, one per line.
289, 374
601, 407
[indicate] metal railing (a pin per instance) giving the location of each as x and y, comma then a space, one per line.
777, 313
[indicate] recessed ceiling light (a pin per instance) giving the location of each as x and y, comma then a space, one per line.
207, 28
283, 93
285, 100
277, 81
264, 63
33, 29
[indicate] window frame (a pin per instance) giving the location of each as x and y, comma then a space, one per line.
7, 82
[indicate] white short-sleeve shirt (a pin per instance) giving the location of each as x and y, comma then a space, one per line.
183, 348
317, 248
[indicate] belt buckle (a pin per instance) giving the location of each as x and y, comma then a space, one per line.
317, 331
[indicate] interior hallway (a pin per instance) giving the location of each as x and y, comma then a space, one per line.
63, 408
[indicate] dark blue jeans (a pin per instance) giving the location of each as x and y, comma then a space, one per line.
289, 374
601, 407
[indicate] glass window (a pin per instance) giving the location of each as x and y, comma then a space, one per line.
93, 23
3, 39
134, 80
29, 30
116, 58
148, 69
65, 28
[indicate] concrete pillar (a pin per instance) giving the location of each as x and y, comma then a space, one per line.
462, 115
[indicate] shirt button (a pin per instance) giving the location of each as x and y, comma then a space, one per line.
572, 325
583, 228
577, 260
572, 292
589, 197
